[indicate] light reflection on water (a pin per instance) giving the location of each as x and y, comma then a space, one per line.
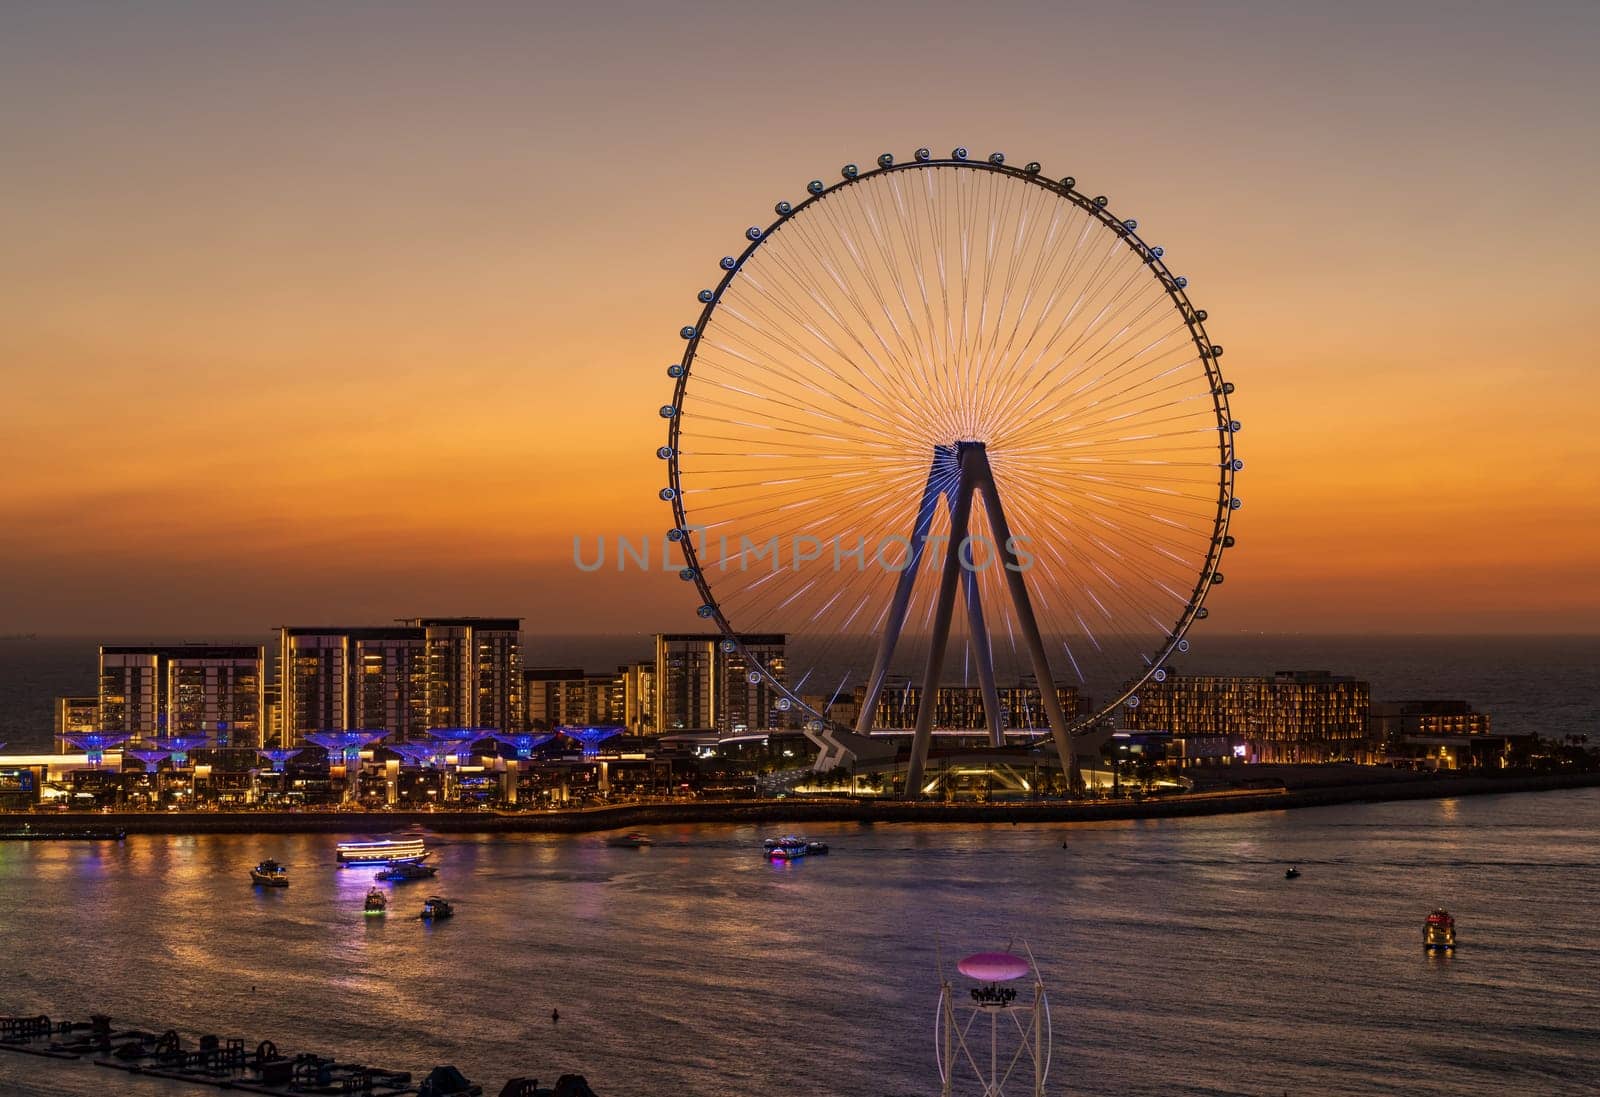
1179, 959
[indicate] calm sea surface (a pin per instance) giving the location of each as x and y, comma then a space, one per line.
1178, 958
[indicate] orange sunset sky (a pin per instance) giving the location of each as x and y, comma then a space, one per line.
343, 312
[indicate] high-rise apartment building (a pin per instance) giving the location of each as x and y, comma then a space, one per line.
699, 686
187, 689
639, 697
474, 671
403, 678
1291, 716
555, 697
333, 678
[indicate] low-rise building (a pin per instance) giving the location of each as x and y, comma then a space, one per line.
1439, 734
1292, 716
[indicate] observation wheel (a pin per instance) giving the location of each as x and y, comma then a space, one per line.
957, 432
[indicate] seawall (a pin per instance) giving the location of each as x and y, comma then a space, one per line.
796, 810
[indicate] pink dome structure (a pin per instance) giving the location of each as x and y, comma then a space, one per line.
994, 967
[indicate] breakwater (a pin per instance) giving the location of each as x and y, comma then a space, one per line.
1299, 791
231, 1063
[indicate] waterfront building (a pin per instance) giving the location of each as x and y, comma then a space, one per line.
187, 689
403, 679
1391, 720
698, 686
474, 671
749, 699
638, 697
960, 708
271, 712
75, 716
1439, 734
337, 678
1290, 716
569, 697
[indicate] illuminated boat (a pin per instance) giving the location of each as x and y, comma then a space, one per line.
434, 908
630, 841
407, 870
1291, 873
270, 874
383, 852
377, 902
1439, 932
791, 847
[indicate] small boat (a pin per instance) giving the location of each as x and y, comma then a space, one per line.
270, 874
1291, 874
407, 870
791, 847
377, 901
1439, 932
382, 852
816, 849
434, 908
635, 840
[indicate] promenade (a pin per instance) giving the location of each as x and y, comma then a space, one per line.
1301, 788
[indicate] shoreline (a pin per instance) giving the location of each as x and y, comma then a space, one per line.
796, 810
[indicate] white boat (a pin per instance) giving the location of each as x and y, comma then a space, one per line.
270, 874
383, 852
407, 870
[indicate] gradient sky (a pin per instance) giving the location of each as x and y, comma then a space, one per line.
321, 312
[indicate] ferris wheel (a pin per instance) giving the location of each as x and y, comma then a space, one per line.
957, 431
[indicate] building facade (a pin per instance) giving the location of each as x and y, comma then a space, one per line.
1439, 734
474, 671
75, 715
639, 697
700, 687
190, 689
333, 678
1287, 717
960, 708
402, 679
555, 697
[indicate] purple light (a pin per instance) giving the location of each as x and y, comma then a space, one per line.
346, 745
96, 743
591, 737
461, 735
179, 746
419, 755
524, 744
456, 740
279, 757
150, 758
